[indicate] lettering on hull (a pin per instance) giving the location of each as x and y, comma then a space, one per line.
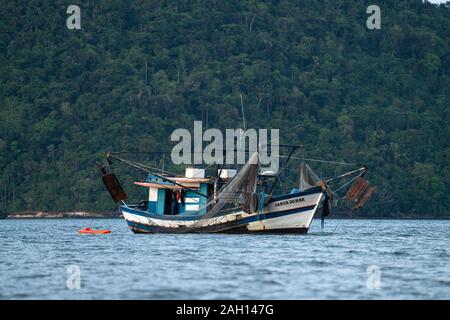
290, 201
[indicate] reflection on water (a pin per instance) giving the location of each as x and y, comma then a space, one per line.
412, 259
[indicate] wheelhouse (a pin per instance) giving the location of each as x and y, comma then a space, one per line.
186, 195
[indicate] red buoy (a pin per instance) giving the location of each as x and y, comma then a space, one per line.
92, 231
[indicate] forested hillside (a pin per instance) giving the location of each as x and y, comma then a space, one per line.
139, 69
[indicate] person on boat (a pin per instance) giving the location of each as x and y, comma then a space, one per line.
176, 196
183, 197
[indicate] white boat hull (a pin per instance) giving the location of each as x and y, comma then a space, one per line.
291, 213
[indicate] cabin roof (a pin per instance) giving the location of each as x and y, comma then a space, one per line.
188, 180
158, 186
193, 183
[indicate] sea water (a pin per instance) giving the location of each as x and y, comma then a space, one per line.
349, 259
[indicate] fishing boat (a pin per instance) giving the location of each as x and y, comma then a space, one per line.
230, 200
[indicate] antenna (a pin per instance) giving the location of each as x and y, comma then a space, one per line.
242, 108
243, 120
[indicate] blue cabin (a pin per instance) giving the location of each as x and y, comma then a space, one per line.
180, 195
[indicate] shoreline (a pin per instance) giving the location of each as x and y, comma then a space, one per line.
63, 215
118, 215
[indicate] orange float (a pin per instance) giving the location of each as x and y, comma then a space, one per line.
93, 231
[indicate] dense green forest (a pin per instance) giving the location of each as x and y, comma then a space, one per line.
139, 69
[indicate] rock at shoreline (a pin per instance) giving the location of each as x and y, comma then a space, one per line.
60, 215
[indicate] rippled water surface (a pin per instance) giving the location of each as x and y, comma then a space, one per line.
345, 261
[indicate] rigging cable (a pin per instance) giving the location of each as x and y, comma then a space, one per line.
324, 161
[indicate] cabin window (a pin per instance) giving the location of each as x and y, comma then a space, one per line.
192, 203
153, 194
168, 202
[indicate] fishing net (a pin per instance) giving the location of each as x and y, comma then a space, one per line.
359, 192
364, 198
238, 192
308, 179
357, 189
